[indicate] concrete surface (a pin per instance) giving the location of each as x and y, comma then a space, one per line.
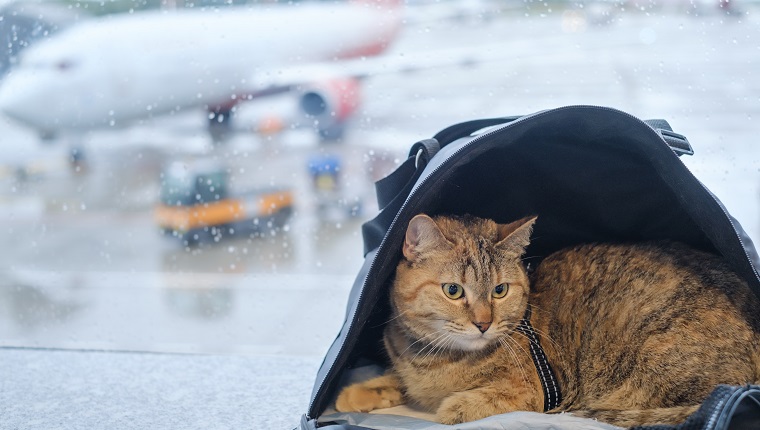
55, 389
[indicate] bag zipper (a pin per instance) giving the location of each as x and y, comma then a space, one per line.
727, 402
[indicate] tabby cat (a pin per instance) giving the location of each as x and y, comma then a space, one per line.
636, 334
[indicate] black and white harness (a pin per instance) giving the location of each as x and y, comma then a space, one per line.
552, 394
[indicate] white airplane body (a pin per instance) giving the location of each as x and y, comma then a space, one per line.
110, 71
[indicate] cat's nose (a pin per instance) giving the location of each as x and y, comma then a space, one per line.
482, 326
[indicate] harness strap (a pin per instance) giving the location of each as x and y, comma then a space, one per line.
552, 394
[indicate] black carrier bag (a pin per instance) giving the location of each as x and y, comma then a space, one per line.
592, 174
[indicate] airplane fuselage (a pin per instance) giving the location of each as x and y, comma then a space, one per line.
117, 69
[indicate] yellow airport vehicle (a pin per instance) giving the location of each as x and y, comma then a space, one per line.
197, 206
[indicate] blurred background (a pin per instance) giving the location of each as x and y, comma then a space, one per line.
191, 176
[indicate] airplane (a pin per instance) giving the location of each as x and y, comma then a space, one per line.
110, 71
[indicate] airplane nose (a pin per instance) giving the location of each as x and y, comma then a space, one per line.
6, 97
10, 101
20, 100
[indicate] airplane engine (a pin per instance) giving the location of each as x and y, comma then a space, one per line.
331, 104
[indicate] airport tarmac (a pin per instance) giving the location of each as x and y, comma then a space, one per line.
90, 269
84, 266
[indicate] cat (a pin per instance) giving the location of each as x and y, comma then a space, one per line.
635, 333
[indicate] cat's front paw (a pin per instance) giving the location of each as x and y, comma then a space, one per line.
365, 397
466, 406
455, 409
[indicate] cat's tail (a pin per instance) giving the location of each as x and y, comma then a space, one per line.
631, 418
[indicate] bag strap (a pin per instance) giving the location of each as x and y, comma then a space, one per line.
388, 188
393, 189
421, 152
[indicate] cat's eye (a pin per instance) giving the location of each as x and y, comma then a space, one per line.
500, 290
453, 291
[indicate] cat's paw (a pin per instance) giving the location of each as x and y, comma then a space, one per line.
463, 407
365, 397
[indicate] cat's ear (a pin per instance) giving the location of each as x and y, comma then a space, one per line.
422, 235
515, 236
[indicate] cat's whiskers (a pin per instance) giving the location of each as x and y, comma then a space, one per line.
419, 340
511, 339
552, 342
451, 341
544, 335
538, 309
554, 345
531, 256
511, 351
431, 343
507, 326
397, 316
438, 347
434, 345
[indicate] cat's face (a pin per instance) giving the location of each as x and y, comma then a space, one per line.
461, 284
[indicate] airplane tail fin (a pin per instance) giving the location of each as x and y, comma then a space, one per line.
388, 22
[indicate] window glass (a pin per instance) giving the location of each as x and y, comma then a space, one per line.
192, 176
